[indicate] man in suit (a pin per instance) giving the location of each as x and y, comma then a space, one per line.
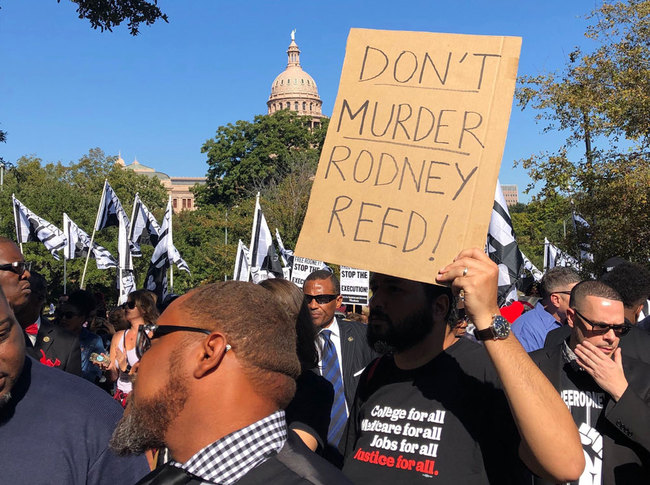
46, 342
214, 376
607, 393
342, 348
54, 427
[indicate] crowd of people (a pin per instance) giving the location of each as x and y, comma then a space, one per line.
241, 383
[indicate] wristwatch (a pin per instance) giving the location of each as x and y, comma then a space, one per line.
499, 330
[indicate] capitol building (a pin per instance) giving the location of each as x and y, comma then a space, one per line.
294, 89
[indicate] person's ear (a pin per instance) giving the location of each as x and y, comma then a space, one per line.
554, 298
637, 312
570, 316
339, 300
441, 307
210, 354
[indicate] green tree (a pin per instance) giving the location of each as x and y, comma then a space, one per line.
602, 102
51, 189
106, 14
245, 157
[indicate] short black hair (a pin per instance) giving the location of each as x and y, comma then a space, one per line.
84, 301
592, 288
323, 274
631, 281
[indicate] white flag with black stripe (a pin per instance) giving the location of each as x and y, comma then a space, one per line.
285, 254
241, 272
554, 256
144, 227
78, 243
531, 268
503, 249
165, 249
111, 213
264, 260
30, 227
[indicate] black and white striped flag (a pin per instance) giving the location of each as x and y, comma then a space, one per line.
111, 213
144, 227
164, 255
503, 249
241, 272
554, 256
264, 260
78, 243
30, 227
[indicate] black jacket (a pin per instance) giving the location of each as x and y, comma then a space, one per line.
624, 425
55, 343
356, 354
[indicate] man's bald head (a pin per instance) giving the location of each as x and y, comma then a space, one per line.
257, 328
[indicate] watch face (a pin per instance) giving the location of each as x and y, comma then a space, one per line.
501, 327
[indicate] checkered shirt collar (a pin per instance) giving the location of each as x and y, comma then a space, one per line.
227, 460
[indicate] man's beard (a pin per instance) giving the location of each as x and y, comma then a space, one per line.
400, 336
4, 399
146, 422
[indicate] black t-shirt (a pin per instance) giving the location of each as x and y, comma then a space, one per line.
586, 401
447, 422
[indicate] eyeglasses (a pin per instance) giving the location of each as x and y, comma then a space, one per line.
619, 329
18, 267
129, 304
561, 292
320, 299
146, 333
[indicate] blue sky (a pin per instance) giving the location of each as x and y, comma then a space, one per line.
66, 88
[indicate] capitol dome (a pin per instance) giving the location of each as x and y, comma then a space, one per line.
294, 89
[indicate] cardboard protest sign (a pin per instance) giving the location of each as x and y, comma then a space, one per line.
407, 173
354, 285
303, 267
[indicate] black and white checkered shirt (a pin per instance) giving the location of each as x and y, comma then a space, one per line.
227, 460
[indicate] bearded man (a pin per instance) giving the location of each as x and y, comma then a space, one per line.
214, 376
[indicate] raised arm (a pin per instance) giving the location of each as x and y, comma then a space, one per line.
550, 443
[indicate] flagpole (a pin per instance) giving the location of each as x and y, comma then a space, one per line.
18, 238
65, 276
170, 240
92, 238
255, 233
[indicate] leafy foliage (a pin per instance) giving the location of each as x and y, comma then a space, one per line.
245, 157
51, 189
602, 102
106, 14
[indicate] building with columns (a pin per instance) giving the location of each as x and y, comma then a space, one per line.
178, 187
294, 89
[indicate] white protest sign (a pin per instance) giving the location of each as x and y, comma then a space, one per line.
354, 285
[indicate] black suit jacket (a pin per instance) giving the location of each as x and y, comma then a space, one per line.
356, 354
56, 343
295, 464
636, 344
624, 425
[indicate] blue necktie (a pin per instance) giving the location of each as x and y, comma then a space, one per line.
332, 372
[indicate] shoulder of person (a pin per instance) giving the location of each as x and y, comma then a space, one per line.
75, 397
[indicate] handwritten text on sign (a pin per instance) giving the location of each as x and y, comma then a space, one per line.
407, 173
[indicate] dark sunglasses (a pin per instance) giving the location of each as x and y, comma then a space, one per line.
129, 304
146, 333
320, 299
18, 267
619, 329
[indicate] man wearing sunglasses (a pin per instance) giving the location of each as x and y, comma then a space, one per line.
343, 351
214, 376
608, 395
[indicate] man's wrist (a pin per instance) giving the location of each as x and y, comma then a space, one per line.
485, 320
